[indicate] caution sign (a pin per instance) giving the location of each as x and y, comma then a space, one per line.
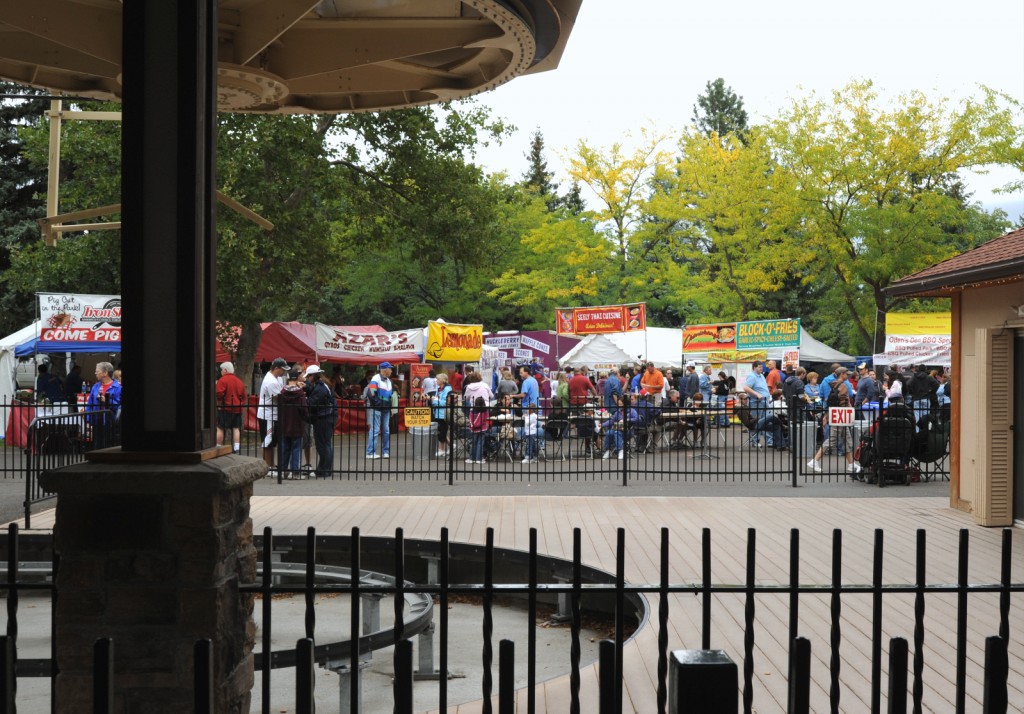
417, 416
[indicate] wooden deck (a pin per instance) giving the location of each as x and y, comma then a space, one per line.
467, 518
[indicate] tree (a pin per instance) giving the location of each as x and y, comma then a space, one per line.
874, 187
719, 111
22, 187
537, 177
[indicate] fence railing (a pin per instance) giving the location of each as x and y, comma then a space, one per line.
587, 442
905, 679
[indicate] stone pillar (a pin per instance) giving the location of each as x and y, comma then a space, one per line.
151, 555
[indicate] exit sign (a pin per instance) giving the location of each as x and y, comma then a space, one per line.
840, 416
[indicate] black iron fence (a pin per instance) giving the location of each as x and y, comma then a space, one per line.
587, 442
927, 668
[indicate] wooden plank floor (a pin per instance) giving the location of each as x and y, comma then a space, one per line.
511, 517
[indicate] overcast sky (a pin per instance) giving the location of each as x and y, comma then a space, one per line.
644, 62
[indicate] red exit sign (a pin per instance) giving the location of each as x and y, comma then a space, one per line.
840, 416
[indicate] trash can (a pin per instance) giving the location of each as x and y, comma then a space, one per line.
424, 442
808, 444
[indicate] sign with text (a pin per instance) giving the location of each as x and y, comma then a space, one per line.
417, 416
76, 318
533, 344
601, 320
447, 342
766, 334
336, 344
840, 416
917, 349
417, 373
503, 342
918, 323
790, 360
520, 354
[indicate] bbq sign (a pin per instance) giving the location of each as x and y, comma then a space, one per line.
79, 318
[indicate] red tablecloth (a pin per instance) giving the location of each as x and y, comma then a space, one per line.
351, 415
19, 417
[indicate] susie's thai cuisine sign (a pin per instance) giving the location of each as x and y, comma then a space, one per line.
79, 319
333, 343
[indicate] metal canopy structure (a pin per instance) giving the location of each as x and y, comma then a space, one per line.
302, 56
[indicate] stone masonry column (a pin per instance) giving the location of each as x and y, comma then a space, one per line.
151, 556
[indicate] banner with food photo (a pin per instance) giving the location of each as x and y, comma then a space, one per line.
74, 319
417, 373
447, 342
564, 321
609, 319
720, 337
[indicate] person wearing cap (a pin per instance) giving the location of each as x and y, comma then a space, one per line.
266, 411
323, 413
230, 400
867, 388
378, 402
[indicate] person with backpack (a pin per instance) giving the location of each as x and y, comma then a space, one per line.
479, 425
323, 414
292, 416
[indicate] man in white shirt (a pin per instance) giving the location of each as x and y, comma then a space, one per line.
266, 412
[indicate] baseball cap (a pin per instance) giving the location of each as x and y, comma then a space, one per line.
691, 364
313, 369
862, 365
279, 363
385, 365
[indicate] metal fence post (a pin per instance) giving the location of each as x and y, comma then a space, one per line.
702, 681
304, 678
898, 657
606, 679
506, 677
8, 681
103, 676
995, 699
800, 677
203, 676
403, 677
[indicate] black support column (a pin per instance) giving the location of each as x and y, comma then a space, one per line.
168, 239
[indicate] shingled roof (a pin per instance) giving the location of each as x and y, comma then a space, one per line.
999, 259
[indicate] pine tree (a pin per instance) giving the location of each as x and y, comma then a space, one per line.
720, 110
537, 175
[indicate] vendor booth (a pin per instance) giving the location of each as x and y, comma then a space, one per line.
659, 345
296, 341
531, 346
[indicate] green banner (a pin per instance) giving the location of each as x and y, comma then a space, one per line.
765, 334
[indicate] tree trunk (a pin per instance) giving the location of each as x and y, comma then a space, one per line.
248, 343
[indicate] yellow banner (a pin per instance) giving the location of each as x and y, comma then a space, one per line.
454, 343
417, 416
734, 356
918, 323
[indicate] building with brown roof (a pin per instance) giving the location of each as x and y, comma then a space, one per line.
986, 288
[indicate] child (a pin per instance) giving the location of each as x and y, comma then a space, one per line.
479, 424
530, 426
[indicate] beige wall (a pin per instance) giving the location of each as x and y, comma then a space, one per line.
985, 308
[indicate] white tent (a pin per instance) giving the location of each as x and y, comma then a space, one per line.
661, 345
664, 345
9, 366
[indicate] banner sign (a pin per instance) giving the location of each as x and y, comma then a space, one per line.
790, 360
417, 416
417, 373
505, 342
332, 343
701, 338
447, 342
79, 318
918, 323
735, 356
534, 344
601, 320
527, 354
917, 349
840, 416
766, 334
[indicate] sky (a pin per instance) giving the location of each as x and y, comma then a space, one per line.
644, 62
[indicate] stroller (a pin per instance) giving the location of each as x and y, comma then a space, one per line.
892, 441
931, 446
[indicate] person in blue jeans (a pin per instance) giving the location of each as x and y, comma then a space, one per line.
756, 389
614, 427
378, 404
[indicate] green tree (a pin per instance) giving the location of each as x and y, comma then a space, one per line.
22, 186
719, 111
537, 176
873, 183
